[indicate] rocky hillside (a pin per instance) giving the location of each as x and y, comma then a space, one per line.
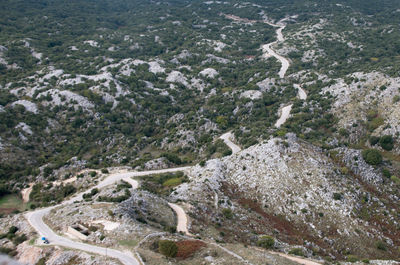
292, 190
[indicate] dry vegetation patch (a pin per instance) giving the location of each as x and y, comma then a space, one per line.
187, 248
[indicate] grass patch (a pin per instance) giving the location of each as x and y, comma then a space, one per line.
11, 203
162, 184
128, 242
172, 182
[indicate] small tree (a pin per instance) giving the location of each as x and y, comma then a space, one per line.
373, 140
168, 248
372, 156
227, 213
266, 242
386, 142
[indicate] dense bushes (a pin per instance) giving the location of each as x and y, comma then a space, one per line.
266, 242
162, 183
386, 142
372, 156
227, 213
297, 252
174, 158
168, 248
45, 195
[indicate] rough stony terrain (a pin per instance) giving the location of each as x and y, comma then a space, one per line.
292, 189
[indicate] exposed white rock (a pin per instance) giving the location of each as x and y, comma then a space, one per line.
251, 94
25, 127
56, 73
266, 84
177, 77
29, 106
184, 54
368, 90
356, 163
197, 84
219, 46
91, 43
65, 96
277, 174
37, 55
155, 67
212, 58
209, 72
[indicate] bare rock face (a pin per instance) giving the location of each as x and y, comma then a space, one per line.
158, 163
5, 260
148, 208
29, 254
356, 163
292, 188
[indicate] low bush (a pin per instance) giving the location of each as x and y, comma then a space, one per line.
386, 142
337, 196
172, 182
381, 245
174, 158
227, 213
395, 179
266, 242
373, 140
352, 258
372, 156
386, 173
168, 248
297, 252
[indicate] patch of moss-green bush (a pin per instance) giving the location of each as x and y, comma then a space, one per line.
372, 156
168, 248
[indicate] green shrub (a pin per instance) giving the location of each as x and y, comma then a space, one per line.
297, 252
373, 140
172, 182
352, 258
343, 132
42, 261
395, 179
227, 213
174, 158
168, 248
12, 230
104, 171
93, 174
337, 196
375, 123
266, 242
372, 156
381, 245
202, 163
386, 173
19, 239
386, 142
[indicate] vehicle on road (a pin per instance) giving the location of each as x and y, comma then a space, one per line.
45, 240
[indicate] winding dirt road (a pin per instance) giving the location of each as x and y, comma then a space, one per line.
268, 51
35, 218
227, 140
182, 225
